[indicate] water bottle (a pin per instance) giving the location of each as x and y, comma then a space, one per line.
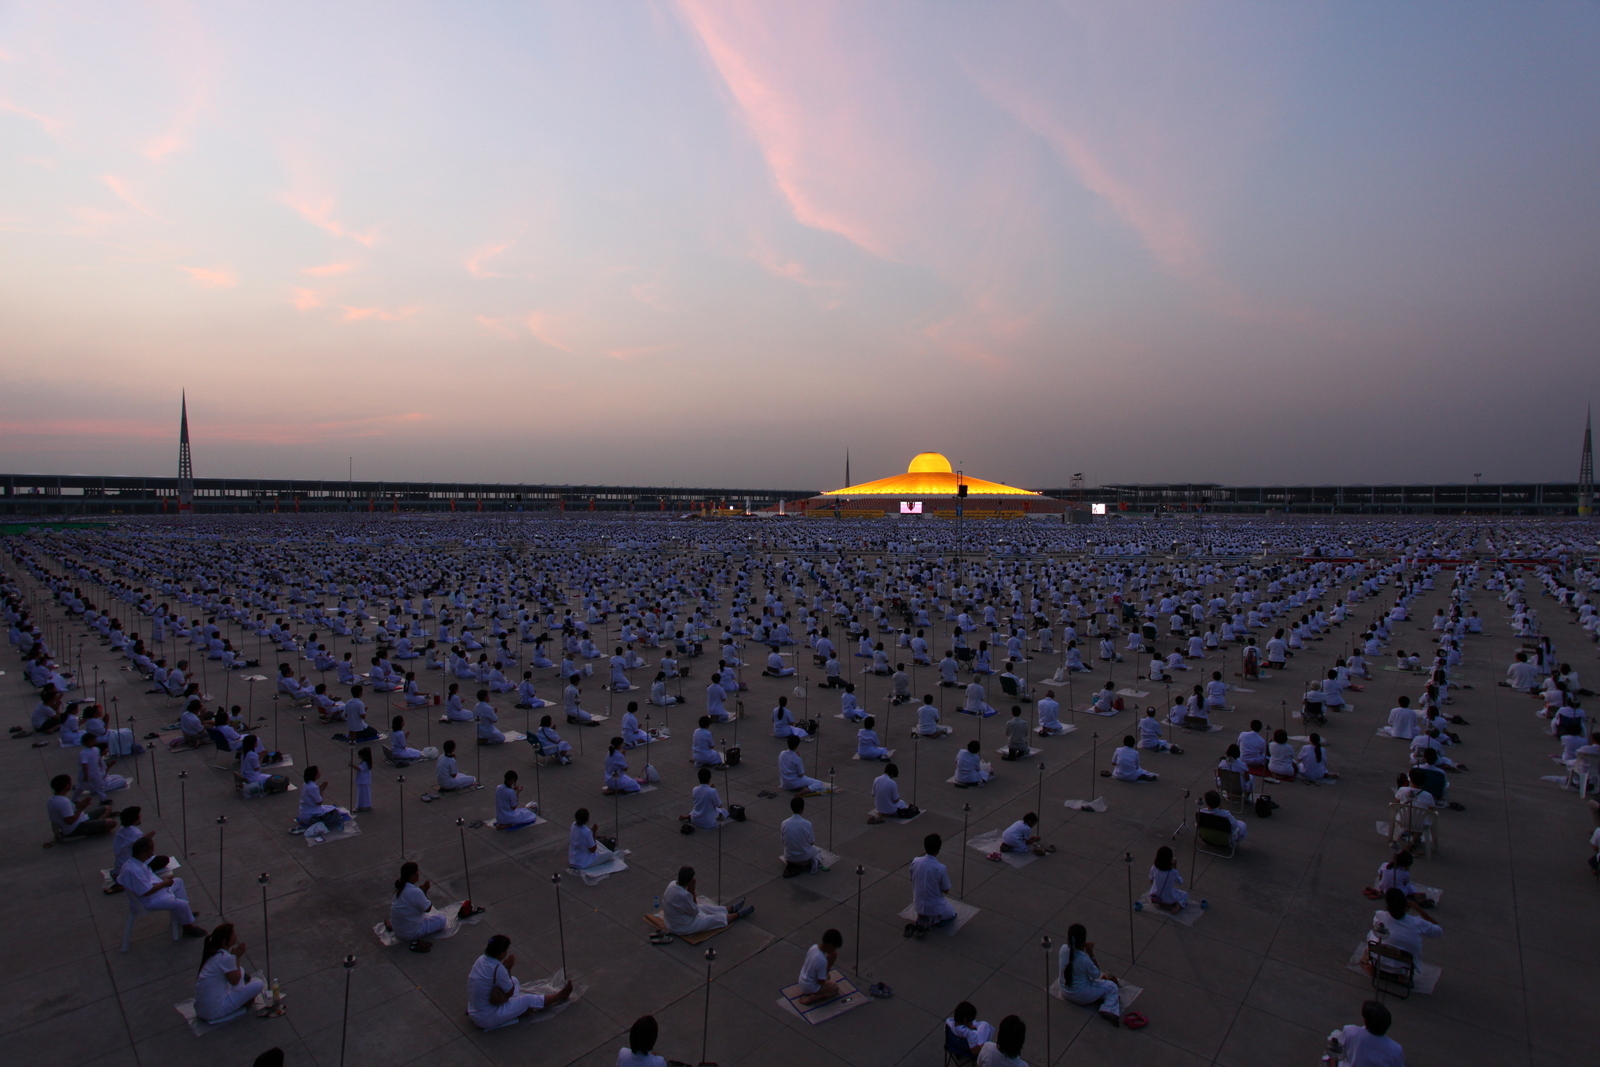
655, 902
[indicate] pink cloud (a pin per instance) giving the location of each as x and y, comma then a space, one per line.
628, 355
50, 125
329, 268
355, 314
212, 278
120, 189
476, 260
542, 325
306, 299
276, 432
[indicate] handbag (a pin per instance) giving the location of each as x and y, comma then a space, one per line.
733, 756
1263, 806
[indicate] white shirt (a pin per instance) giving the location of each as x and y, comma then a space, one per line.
814, 971
1365, 1049
886, 795
488, 974
799, 840
930, 881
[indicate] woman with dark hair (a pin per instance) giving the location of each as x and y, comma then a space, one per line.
641, 1048
494, 998
1314, 759
412, 916
1165, 881
255, 781
221, 988
1081, 979
1006, 1048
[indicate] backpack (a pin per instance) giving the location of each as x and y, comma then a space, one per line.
1263, 806
733, 756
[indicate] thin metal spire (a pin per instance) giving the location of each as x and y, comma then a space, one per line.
185, 460
1586, 467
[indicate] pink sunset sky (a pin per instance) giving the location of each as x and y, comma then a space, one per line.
709, 242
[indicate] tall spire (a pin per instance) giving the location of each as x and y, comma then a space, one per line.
1586, 468
185, 461
847, 467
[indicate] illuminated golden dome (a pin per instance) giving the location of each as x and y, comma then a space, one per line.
929, 475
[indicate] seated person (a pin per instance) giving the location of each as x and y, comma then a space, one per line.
970, 767
222, 989
156, 893
1050, 715
783, 723
1400, 924
1125, 764
930, 881
703, 746
1396, 874
632, 735
1082, 981
549, 742
1150, 735
868, 745
312, 810
1253, 748
1020, 836
963, 1023
792, 771
1368, 1045
775, 667
399, 751
1313, 760
1211, 804
886, 799
928, 719
584, 849
1403, 720
1280, 756
1017, 729
412, 916
815, 985
617, 778
800, 852
72, 820
509, 813
1166, 882
494, 998
686, 914
707, 812
449, 779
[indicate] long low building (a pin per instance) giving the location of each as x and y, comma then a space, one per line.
1448, 498
81, 494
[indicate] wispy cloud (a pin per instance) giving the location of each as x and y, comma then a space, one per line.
376, 314
327, 269
282, 432
50, 125
475, 261
305, 299
120, 189
212, 277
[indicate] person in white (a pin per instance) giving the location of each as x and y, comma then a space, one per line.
1313, 760
815, 985
783, 721
445, 774
775, 666
399, 751
494, 998
583, 850
1403, 720
886, 795
685, 913
800, 852
703, 746
412, 916
1369, 1045
1082, 981
1166, 882
570, 700
1212, 805
930, 881
1125, 763
1049, 712
868, 744
928, 720
640, 1050
1150, 735
488, 732
312, 810
970, 767
716, 698
1005, 1049
509, 814
1401, 924
792, 771
221, 988
707, 812
154, 892
964, 1023
1021, 836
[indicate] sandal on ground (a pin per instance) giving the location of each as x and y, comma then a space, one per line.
661, 938
879, 990
993, 857
1111, 1018
1134, 1021
421, 946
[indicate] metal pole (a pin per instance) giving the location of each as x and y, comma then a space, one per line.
1094, 744
344, 1030
183, 805
1049, 971
830, 809
966, 811
155, 775
400, 792
561, 930
222, 823
461, 829
860, 873
1127, 862
705, 1024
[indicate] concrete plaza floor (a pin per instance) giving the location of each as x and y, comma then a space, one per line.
1260, 979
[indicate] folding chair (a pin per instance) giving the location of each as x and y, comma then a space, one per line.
1214, 835
1393, 969
1231, 785
1008, 686
957, 1053
1415, 826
